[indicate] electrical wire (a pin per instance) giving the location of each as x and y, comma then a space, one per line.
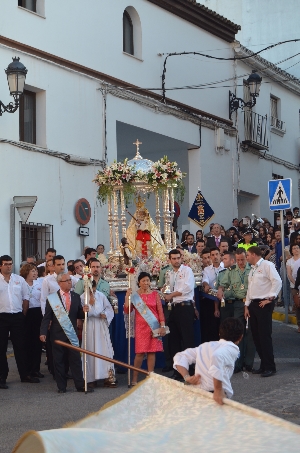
253, 54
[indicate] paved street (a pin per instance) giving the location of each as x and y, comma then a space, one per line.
38, 406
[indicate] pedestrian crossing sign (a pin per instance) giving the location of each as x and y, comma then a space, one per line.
280, 194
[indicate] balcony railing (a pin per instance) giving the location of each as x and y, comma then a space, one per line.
278, 124
255, 130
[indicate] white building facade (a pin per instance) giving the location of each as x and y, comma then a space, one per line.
94, 86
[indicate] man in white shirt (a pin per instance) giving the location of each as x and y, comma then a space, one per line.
208, 322
182, 315
50, 284
214, 361
78, 266
14, 304
264, 284
50, 253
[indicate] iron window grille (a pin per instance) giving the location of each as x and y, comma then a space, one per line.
36, 238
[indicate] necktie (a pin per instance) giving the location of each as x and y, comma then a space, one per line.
67, 301
217, 242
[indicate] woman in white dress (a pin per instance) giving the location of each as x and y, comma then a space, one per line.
98, 339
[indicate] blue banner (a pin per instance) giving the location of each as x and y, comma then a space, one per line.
200, 211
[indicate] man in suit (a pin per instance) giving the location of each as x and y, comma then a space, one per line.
216, 238
72, 304
190, 244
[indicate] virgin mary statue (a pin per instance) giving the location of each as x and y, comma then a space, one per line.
143, 235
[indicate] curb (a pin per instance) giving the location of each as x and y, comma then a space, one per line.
281, 317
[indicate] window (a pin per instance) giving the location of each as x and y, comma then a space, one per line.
27, 114
275, 176
127, 34
36, 238
277, 125
132, 33
28, 4
274, 107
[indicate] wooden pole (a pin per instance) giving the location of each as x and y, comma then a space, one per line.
102, 357
129, 329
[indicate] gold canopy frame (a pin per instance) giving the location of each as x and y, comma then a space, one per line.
164, 207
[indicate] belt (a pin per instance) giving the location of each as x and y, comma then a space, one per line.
182, 304
258, 300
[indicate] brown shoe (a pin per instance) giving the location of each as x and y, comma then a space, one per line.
92, 385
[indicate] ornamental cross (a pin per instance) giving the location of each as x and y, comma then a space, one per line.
137, 144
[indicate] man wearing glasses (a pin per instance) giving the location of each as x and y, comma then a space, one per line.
68, 304
14, 303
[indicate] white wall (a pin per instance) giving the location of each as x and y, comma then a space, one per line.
91, 34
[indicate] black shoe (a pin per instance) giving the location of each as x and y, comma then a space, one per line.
237, 370
31, 380
268, 373
176, 377
248, 368
81, 389
38, 374
3, 385
61, 391
259, 371
167, 368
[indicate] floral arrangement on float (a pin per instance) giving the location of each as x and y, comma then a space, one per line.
159, 175
193, 261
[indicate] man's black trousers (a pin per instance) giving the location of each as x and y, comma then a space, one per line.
13, 324
261, 327
181, 328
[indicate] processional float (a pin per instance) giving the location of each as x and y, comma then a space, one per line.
138, 242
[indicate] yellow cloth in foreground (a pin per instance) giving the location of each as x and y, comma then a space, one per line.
162, 415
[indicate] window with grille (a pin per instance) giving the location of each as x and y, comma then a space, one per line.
28, 4
36, 238
275, 176
27, 115
127, 34
274, 107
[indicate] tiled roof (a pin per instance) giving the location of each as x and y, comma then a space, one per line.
213, 13
201, 16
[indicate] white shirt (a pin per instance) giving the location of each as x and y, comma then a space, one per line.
12, 294
214, 359
35, 294
263, 281
182, 281
210, 274
294, 265
43, 264
49, 286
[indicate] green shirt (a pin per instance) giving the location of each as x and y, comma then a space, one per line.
102, 286
237, 281
222, 280
162, 275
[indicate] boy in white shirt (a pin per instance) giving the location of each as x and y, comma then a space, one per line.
214, 361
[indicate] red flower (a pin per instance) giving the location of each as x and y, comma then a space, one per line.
130, 270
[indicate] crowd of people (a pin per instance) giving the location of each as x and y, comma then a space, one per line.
241, 284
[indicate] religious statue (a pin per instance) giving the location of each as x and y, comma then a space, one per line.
143, 235
126, 252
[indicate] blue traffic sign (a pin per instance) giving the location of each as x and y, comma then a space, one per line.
280, 194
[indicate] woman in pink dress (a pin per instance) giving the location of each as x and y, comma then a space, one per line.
144, 341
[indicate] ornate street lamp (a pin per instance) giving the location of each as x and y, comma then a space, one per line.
16, 75
254, 83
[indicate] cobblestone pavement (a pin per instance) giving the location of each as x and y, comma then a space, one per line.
39, 407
